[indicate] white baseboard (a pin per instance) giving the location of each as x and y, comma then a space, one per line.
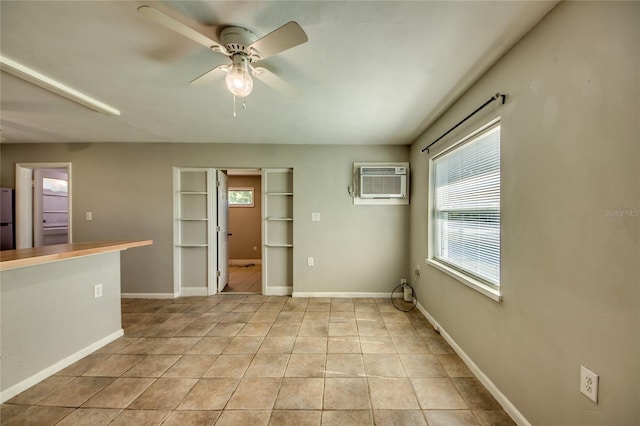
148, 295
243, 262
354, 295
278, 290
508, 406
53, 369
193, 291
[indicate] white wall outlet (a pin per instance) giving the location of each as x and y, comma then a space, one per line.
315, 217
403, 280
417, 270
97, 291
589, 383
88, 216
309, 261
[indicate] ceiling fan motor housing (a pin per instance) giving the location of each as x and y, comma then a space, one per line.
237, 41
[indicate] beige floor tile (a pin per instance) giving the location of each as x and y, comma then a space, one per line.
400, 329
210, 345
422, 366
247, 307
371, 328
76, 392
80, 367
342, 316
177, 345
41, 390
290, 316
264, 317
163, 394
295, 418
284, 329
319, 307
300, 394
310, 345
475, 394
255, 329
344, 345
243, 345
119, 393
320, 316
229, 366
277, 345
90, 416
344, 365
140, 417
314, 328
377, 345
493, 418
340, 306
255, 394
241, 317
343, 329
152, 366
383, 365
450, 418
392, 393
164, 329
191, 418
142, 346
411, 345
190, 366
398, 418
114, 366
267, 365
346, 394
454, 366
438, 345
437, 394
306, 365
244, 418
365, 307
196, 329
350, 417
36, 415
225, 330
116, 346
209, 394
368, 314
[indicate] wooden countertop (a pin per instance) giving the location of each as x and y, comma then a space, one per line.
10, 259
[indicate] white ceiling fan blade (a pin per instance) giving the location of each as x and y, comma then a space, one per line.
287, 36
211, 75
270, 79
174, 25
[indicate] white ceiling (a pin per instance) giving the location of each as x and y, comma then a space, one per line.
372, 72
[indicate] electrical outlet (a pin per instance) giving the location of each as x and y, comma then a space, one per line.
88, 215
589, 383
97, 291
417, 270
309, 261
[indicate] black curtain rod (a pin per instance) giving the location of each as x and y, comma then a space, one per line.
493, 98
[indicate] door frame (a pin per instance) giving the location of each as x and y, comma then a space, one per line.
24, 201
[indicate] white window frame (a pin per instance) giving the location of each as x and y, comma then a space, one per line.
246, 188
488, 289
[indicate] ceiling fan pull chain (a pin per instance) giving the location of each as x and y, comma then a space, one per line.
234, 106
244, 103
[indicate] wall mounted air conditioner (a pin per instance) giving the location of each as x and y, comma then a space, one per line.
382, 182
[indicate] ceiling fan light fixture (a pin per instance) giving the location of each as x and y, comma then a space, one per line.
239, 81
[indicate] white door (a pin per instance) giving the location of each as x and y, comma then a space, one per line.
223, 231
50, 207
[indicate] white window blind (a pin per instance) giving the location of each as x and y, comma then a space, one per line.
466, 206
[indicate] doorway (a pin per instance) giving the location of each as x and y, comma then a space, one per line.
43, 204
245, 231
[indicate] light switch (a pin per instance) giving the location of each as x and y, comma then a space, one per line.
88, 215
315, 217
309, 261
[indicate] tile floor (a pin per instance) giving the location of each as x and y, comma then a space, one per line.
257, 360
244, 279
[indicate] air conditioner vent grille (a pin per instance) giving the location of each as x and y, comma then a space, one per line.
382, 185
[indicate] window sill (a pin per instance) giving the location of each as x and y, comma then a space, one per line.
484, 289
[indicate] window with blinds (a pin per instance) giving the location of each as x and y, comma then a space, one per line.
466, 206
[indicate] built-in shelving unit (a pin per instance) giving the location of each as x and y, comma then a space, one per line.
193, 231
277, 185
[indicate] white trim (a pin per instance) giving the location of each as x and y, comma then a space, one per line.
353, 295
491, 293
53, 369
508, 406
149, 295
193, 291
280, 290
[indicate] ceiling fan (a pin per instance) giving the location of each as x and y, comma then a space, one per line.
244, 49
